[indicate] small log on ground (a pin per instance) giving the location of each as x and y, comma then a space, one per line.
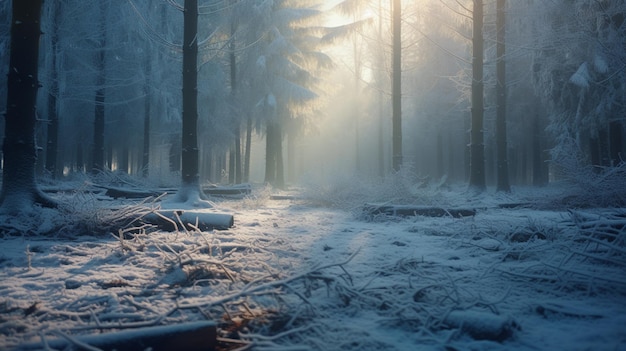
282, 197
170, 220
407, 210
482, 325
129, 193
236, 191
194, 336
514, 205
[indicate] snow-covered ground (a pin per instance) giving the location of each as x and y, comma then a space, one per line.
300, 273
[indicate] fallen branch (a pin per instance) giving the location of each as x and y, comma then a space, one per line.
249, 289
200, 336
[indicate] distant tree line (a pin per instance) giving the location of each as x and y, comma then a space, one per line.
111, 95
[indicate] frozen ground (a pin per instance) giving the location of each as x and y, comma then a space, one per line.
313, 272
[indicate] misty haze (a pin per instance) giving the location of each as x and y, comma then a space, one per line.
312, 175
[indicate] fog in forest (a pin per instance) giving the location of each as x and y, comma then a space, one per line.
293, 92
312, 175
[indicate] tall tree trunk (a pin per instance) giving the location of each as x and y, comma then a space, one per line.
19, 188
238, 175
616, 141
145, 158
189, 152
98, 129
501, 135
280, 165
246, 174
231, 163
236, 158
397, 86
381, 148
292, 136
270, 153
53, 92
477, 147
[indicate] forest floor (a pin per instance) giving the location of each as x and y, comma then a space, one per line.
314, 272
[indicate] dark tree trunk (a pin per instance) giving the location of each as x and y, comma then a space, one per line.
238, 175
145, 158
604, 147
190, 96
53, 92
98, 129
236, 159
615, 137
501, 135
381, 143
477, 147
397, 86
19, 189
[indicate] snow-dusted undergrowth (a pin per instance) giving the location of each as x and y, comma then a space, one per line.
296, 275
350, 192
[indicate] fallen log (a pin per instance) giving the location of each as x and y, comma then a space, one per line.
117, 193
173, 220
193, 336
240, 190
408, 210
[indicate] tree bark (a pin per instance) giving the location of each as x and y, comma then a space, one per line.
501, 133
53, 92
19, 188
477, 147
